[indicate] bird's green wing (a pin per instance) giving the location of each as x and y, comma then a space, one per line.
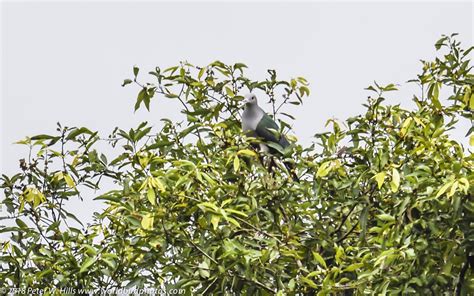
264, 131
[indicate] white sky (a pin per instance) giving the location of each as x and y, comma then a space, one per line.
66, 61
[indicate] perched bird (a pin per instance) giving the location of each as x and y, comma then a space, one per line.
257, 123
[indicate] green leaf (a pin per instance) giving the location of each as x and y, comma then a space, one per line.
353, 267
229, 92
87, 263
204, 269
308, 282
135, 71
233, 211
319, 259
43, 137
21, 224
386, 217
126, 82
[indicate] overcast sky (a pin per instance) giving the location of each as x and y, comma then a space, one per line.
66, 61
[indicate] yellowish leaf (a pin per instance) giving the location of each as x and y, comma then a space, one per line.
236, 164
395, 183
58, 176
443, 189
247, 152
215, 221
69, 181
405, 127
151, 196
147, 222
160, 185
380, 177
454, 187
324, 169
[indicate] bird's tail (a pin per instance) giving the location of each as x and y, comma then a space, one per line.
291, 168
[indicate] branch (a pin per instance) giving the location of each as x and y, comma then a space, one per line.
345, 219
199, 249
347, 234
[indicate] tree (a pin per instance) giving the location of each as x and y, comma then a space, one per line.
384, 203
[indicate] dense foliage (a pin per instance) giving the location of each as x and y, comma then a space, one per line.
384, 203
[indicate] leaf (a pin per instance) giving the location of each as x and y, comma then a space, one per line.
324, 169
126, 82
78, 131
21, 224
229, 92
386, 217
87, 263
276, 146
151, 196
380, 177
319, 259
236, 212
110, 262
147, 221
236, 164
443, 189
208, 205
143, 97
304, 91
353, 267
215, 220
405, 126
69, 181
453, 189
204, 269
247, 152
135, 71
339, 254
201, 72
308, 282
39, 198
395, 183
440, 42
43, 137
232, 221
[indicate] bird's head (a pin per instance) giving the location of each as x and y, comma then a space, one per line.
249, 100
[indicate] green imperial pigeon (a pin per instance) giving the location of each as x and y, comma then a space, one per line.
257, 123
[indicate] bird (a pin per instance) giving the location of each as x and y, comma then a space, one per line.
257, 123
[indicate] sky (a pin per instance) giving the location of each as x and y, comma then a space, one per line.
65, 62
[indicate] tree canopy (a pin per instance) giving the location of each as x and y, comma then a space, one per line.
384, 203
